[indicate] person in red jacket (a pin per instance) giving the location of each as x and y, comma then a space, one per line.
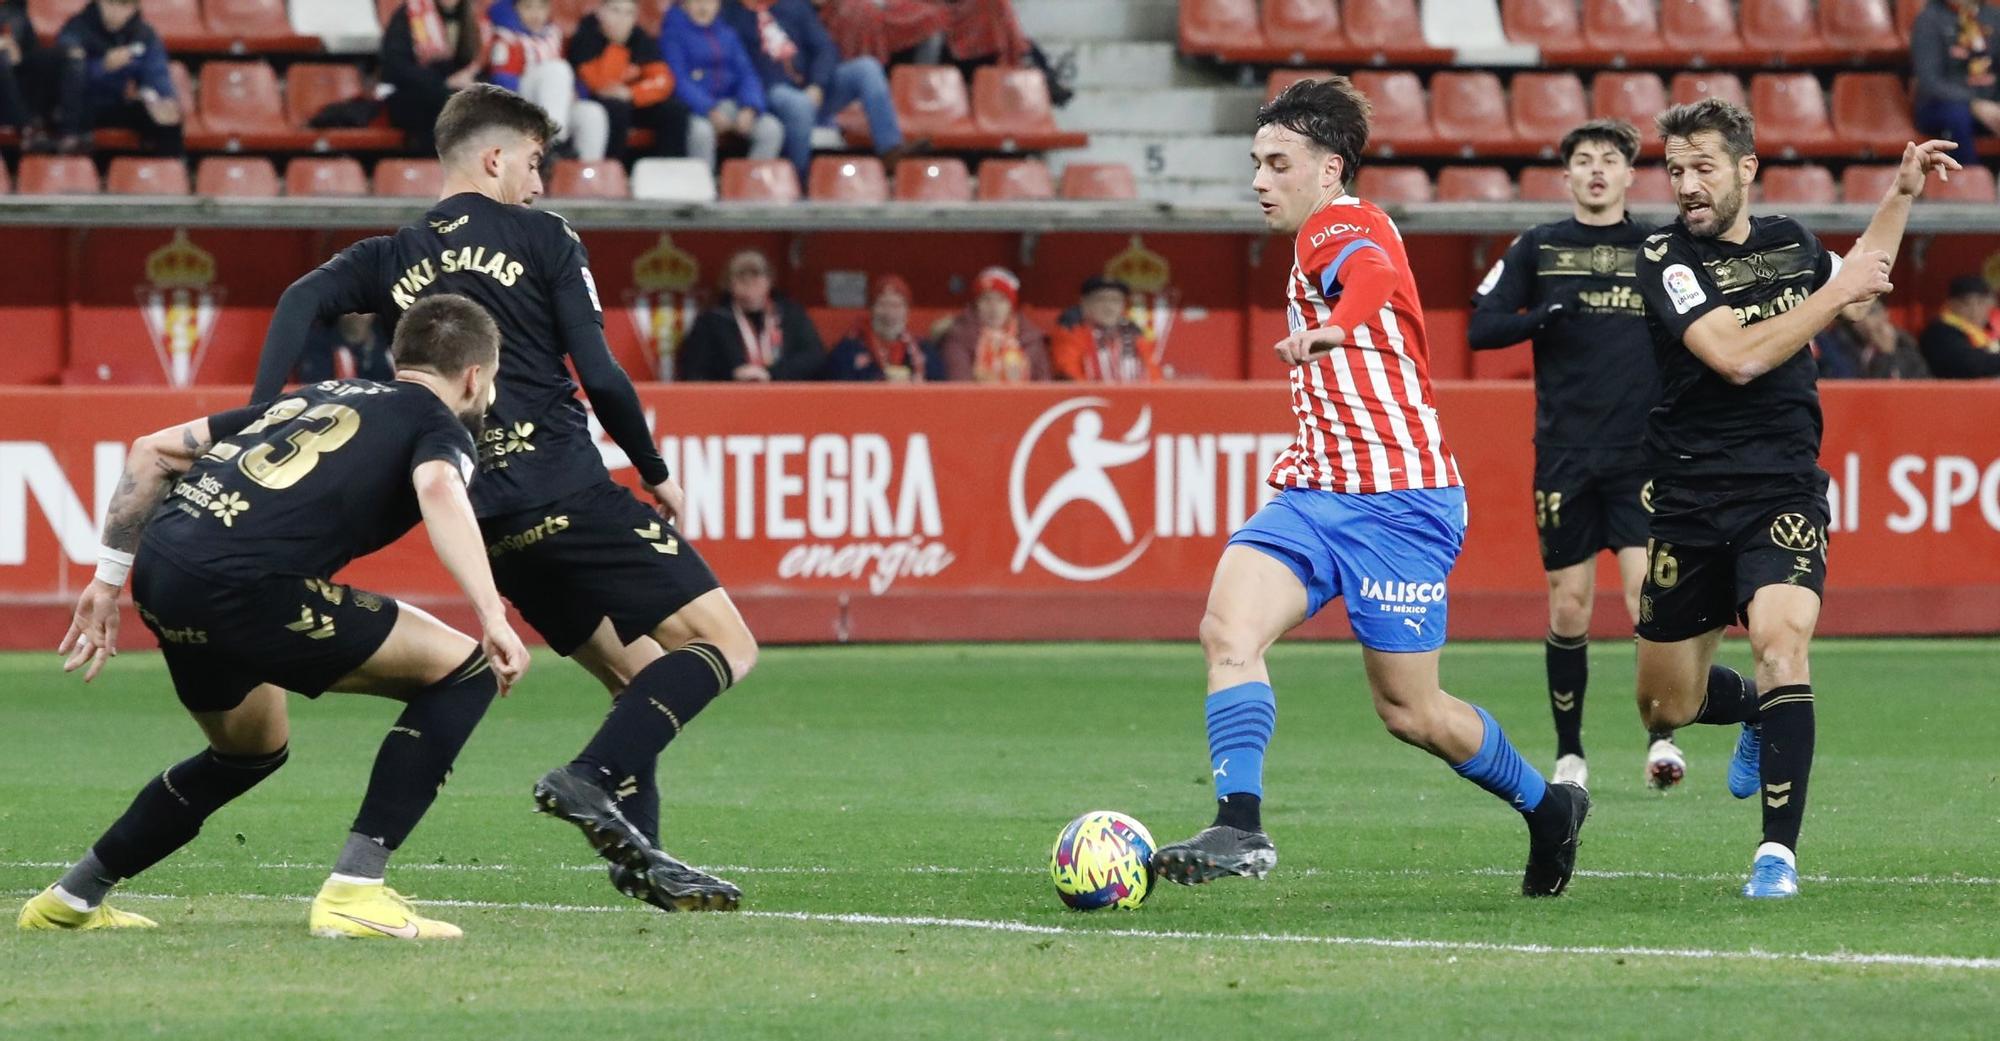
621, 67
1098, 342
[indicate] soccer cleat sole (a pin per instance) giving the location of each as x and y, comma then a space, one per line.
565, 796
1565, 852
1190, 867
672, 890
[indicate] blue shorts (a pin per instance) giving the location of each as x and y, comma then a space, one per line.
1388, 553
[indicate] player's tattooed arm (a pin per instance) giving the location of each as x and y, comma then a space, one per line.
150, 469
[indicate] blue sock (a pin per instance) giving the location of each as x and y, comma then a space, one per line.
1240, 721
1499, 769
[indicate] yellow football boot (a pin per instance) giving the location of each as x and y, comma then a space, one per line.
356, 910
46, 910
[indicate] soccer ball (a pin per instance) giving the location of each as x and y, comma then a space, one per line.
1103, 859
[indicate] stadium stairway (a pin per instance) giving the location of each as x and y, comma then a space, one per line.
1179, 127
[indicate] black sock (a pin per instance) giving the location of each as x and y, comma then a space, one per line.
417, 753
1240, 810
639, 800
168, 812
1732, 698
1786, 760
1568, 660
664, 697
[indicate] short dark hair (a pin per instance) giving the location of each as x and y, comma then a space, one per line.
445, 334
1968, 285
1330, 112
1614, 132
1735, 123
484, 106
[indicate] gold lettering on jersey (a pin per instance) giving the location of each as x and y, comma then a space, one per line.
415, 280
1751, 314
499, 442
1618, 299
475, 258
522, 540
446, 227
186, 636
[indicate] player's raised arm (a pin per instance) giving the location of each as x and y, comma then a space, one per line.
342, 285
1892, 214
1359, 278
150, 469
1742, 353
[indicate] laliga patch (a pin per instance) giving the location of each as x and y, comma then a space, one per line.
1492, 278
1683, 289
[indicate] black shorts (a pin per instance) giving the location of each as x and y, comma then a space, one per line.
222, 639
1716, 542
594, 554
1588, 500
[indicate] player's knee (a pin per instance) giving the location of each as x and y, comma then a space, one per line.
1408, 722
739, 649
1569, 613
1781, 659
1225, 642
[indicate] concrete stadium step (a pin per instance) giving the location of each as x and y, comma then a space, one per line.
1211, 157
1045, 20
1189, 191
1121, 63
1163, 110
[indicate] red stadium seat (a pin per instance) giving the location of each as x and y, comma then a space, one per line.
1002, 180
1545, 184
312, 86
1548, 24
1690, 87
1791, 114
1702, 28
1387, 25
241, 97
1474, 184
1221, 27
1864, 183
759, 180
1099, 181
1972, 184
849, 179
236, 177
930, 100
934, 179
1282, 78
175, 19
57, 175
133, 175
1786, 28
1623, 29
599, 179
1011, 101
1469, 109
49, 15
1307, 27
1871, 114
1650, 187
258, 21
1866, 27
1635, 97
327, 177
1546, 105
1389, 185
1402, 118
409, 178
1808, 185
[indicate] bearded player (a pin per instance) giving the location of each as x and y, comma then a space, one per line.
1370, 509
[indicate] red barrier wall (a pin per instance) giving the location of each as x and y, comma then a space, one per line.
166, 307
891, 513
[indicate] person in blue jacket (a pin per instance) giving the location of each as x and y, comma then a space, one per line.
715, 79
804, 78
114, 74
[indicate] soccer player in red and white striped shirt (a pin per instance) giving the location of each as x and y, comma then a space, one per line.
1370, 509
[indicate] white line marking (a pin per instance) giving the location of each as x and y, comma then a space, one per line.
1850, 958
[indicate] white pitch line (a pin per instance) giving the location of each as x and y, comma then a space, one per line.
959, 869
992, 925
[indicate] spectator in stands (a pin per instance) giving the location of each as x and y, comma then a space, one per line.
351, 347
927, 31
991, 341
1951, 57
1098, 342
622, 67
526, 57
21, 70
881, 345
1872, 348
431, 49
754, 335
804, 79
715, 79
1958, 344
114, 74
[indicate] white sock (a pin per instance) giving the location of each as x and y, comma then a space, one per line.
353, 880
76, 903
1779, 850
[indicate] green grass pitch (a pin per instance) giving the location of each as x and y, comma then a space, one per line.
889, 812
